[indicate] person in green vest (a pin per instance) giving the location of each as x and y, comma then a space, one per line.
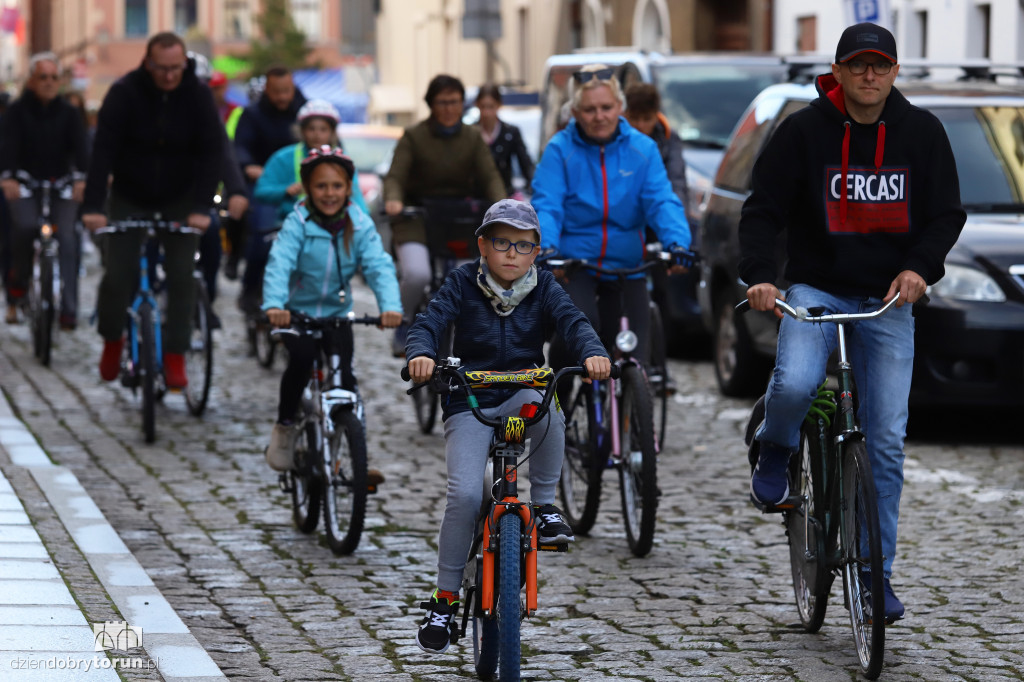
280, 183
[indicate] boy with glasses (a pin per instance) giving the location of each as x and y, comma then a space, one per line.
503, 309
866, 186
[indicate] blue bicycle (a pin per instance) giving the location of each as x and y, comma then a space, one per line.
142, 363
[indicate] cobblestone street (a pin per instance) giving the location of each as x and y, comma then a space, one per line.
204, 516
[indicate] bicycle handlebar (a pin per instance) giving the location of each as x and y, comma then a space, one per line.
54, 184
527, 378
802, 314
568, 263
148, 224
307, 324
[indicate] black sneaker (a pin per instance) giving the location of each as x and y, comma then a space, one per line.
551, 526
438, 628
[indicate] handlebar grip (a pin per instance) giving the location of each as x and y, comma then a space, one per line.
616, 371
743, 306
405, 373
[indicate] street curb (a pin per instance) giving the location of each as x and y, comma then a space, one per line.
166, 639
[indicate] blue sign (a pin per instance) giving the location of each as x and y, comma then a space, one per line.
875, 11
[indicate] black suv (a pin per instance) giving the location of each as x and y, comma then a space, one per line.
969, 340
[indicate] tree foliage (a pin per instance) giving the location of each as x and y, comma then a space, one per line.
280, 41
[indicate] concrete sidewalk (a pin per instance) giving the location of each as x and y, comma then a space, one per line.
44, 634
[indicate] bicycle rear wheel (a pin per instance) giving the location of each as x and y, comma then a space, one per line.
345, 489
580, 483
199, 358
147, 371
805, 530
307, 488
659, 374
861, 551
509, 604
485, 630
638, 470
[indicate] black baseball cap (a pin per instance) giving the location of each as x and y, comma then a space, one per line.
866, 37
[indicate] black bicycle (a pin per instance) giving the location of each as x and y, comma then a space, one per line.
450, 225
45, 287
831, 515
330, 455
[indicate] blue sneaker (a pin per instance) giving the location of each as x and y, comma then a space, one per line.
769, 485
894, 610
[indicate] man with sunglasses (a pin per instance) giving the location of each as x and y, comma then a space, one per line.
159, 136
866, 186
43, 136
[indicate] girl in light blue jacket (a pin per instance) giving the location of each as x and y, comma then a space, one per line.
318, 250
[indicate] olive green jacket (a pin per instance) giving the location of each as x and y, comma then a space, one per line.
428, 165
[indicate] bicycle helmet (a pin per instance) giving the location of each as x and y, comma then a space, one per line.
321, 108
203, 70
217, 79
325, 154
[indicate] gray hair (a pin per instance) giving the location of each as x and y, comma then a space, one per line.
612, 84
43, 57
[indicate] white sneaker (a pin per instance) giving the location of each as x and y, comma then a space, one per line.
281, 451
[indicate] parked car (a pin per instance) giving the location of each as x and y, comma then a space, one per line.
969, 339
703, 96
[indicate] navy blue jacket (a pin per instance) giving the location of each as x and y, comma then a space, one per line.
263, 129
486, 341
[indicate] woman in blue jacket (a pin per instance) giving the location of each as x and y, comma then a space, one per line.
280, 183
318, 250
598, 184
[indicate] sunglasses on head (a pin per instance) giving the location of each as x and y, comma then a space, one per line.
582, 77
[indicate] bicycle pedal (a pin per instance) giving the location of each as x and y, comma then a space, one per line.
564, 547
371, 490
284, 484
789, 504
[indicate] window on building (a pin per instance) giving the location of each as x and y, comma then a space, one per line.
306, 14
237, 20
184, 15
807, 34
524, 44
358, 27
920, 33
136, 18
979, 32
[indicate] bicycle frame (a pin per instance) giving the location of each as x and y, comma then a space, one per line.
145, 296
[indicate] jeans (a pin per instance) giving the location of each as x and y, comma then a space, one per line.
465, 452
262, 224
882, 354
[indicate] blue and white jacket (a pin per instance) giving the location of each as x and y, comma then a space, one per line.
303, 271
593, 201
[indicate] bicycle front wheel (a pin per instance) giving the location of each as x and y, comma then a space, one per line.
485, 630
41, 309
861, 553
659, 372
307, 488
264, 345
582, 466
805, 530
425, 403
345, 489
509, 604
199, 358
638, 470
147, 371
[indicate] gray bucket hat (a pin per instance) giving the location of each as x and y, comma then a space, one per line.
518, 214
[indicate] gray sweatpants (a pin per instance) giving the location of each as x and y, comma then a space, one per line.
466, 444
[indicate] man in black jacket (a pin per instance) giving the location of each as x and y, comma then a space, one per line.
866, 185
159, 135
43, 136
264, 127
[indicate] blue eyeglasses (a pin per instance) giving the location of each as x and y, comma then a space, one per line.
502, 244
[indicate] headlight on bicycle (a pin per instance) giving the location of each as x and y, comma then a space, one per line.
46, 230
626, 341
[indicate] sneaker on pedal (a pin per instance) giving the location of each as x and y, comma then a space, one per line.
280, 453
894, 609
110, 361
374, 477
769, 485
174, 370
551, 526
436, 628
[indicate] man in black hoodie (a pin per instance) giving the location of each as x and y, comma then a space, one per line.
43, 136
264, 127
159, 136
866, 186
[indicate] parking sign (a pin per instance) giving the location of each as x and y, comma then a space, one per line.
875, 11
